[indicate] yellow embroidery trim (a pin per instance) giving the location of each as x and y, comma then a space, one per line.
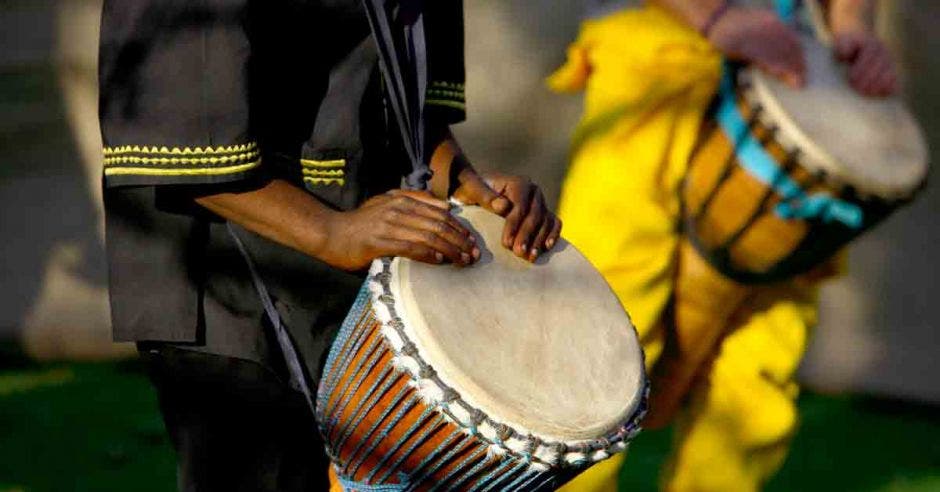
447, 85
327, 163
323, 172
154, 150
110, 161
324, 181
445, 102
149, 171
458, 96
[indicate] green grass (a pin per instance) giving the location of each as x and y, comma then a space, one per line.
95, 427
82, 427
845, 443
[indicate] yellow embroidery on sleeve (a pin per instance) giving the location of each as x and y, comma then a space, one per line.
156, 171
331, 163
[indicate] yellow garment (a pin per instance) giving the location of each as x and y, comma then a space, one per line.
648, 81
735, 433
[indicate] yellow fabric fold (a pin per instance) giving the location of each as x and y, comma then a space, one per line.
648, 81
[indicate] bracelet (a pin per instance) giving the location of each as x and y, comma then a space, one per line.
715, 16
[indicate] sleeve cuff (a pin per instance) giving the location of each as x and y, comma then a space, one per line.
447, 99
148, 165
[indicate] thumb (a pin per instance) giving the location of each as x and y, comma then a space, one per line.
476, 191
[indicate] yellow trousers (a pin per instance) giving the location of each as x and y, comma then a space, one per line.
648, 81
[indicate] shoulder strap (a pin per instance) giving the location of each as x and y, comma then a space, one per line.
298, 379
402, 57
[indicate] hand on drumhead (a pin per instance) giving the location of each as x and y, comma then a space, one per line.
530, 227
758, 36
400, 223
872, 71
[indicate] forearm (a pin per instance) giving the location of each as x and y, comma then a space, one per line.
850, 15
280, 212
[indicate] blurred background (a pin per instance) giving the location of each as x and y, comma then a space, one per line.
76, 412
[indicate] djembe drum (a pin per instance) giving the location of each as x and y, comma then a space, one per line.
780, 180
504, 375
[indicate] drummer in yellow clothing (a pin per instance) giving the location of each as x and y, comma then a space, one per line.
649, 75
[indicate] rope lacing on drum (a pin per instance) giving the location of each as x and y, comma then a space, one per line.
535, 451
503, 433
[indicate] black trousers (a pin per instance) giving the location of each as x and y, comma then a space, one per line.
235, 424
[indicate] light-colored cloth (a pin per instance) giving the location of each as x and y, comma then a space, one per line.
648, 80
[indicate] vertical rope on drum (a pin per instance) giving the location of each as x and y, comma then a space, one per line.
419, 440
479, 453
446, 459
472, 471
523, 480
384, 433
520, 466
546, 481
417, 477
355, 463
360, 371
341, 382
362, 408
350, 333
350, 346
492, 474
401, 442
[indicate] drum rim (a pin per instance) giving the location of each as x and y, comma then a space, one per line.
757, 92
543, 452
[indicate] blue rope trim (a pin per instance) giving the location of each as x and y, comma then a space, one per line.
343, 338
350, 485
786, 9
795, 204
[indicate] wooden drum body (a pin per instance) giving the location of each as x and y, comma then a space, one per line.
780, 180
499, 376
783, 178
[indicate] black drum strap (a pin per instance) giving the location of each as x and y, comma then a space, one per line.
403, 59
298, 379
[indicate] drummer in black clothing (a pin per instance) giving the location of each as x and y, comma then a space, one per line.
267, 123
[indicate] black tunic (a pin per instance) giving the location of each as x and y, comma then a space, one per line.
201, 97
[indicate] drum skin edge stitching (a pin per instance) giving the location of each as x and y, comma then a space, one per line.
540, 452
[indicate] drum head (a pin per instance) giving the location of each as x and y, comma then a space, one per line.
544, 347
873, 144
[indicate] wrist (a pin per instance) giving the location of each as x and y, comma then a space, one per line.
850, 26
449, 166
326, 245
707, 23
848, 16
